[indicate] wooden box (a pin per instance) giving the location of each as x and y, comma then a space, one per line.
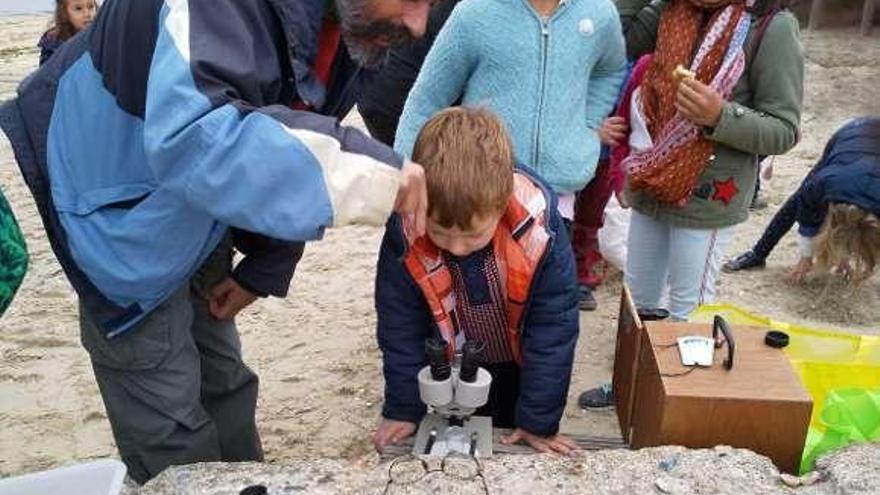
629, 335
759, 404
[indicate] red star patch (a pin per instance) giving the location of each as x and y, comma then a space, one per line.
725, 190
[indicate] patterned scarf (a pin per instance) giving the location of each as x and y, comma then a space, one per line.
670, 169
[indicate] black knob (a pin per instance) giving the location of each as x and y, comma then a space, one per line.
471, 359
436, 351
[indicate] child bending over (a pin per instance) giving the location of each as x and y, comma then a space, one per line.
836, 206
495, 266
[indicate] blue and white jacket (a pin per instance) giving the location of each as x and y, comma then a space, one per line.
166, 122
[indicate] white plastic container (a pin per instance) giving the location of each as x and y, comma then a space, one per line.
102, 477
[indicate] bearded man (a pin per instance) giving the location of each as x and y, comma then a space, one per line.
172, 131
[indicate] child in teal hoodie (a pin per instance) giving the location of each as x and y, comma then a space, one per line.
551, 69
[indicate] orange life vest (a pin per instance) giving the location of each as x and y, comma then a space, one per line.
519, 244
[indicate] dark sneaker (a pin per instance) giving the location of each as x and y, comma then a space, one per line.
597, 398
654, 314
759, 202
586, 301
745, 261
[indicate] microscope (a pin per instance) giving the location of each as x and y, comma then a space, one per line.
453, 391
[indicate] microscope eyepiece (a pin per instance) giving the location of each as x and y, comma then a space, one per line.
471, 359
435, 349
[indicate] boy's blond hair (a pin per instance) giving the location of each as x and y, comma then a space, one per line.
849, 235
468, 160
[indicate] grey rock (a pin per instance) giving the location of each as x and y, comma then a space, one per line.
708, 471
322, 476
673, 486
852, 471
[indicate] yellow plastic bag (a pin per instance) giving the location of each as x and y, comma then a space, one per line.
841, 372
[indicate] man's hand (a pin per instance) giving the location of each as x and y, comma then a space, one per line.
391, 431
613, 131
412, 197
558, 444
699, 103
228, 298
801, 269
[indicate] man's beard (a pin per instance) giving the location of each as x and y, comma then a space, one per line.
366, 54
368, 41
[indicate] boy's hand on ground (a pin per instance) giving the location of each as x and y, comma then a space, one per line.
800, 270
699, 103
558, 444
391, 431
228, 298
613, 131
412, 197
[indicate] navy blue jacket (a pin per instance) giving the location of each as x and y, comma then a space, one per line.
48, 44
848, 172
549, 333
165, 124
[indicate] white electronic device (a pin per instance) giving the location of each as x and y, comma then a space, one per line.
696, 351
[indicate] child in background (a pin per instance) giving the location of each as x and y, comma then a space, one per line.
551, 70
695, 138
836, 206
495, 266
71, 17
589, 213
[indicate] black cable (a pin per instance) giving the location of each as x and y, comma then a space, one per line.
675, 375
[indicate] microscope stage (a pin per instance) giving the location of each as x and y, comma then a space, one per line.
434, 425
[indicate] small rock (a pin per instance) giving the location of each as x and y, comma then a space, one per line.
806, 480
789, 480
673, 486
812, 478
724, 450
668, 464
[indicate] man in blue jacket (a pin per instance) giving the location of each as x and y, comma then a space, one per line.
163, 135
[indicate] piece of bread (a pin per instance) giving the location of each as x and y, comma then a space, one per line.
680, 74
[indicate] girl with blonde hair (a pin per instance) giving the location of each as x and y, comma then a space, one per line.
836, 207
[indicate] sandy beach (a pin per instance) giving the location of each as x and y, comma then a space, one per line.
315, 352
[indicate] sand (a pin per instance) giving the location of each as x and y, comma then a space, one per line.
321, 384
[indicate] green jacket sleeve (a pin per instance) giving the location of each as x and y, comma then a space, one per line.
13, 255
769, 126
640, 20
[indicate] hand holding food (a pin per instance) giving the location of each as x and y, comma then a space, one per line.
680, 74
698, 102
